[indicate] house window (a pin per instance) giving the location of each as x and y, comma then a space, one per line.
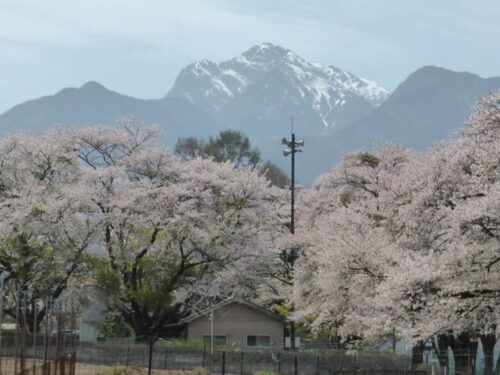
219, 340
254, 340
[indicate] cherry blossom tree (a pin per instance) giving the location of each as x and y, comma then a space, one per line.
160, 233
409, 241
43, 231
172, 231
463, 196
451, 231
348, 249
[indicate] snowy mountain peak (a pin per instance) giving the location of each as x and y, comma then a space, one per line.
265, 52
267, 56
270, 71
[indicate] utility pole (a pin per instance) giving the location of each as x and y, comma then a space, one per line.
293, 147
212, 330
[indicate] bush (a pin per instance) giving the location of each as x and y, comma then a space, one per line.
113, 325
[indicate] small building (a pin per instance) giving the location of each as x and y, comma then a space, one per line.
240, 324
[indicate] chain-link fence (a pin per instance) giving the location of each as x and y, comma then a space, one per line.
161, 355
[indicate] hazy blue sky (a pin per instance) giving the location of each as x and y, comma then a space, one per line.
137, 47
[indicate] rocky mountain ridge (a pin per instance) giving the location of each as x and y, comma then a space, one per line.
334, 111
267, 80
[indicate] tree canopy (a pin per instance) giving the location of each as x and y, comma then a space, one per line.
396, 239
160, 233
388, 239
43, 231
232, 146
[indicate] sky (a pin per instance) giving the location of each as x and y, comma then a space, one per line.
137, 47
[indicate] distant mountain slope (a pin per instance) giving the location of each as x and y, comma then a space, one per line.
92, 103
429, 106
260, 90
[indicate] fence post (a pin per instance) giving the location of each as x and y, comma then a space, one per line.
204, 355
45, 336
279, 363
150, 361
317, 365
144, 357
469, 368
295, 365
210, 362
73, 364
2, 276
223, 362
62, 364
166, 354
24, 320
241, 363
16, 337
34, 336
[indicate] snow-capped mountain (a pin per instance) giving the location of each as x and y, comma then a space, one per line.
258, 92
267, 84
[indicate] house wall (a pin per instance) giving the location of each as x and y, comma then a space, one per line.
236, 321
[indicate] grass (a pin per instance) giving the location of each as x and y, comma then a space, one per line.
86, 369
8, 368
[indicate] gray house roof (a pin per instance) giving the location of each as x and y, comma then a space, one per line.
220, 305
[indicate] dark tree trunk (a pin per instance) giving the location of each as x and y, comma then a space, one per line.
472, 354
464, 351
148, 325
488, 342
441, 349
417, 356
30, 316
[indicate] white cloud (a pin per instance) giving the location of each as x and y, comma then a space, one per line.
81, 21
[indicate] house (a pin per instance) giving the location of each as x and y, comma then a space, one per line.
240, 324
